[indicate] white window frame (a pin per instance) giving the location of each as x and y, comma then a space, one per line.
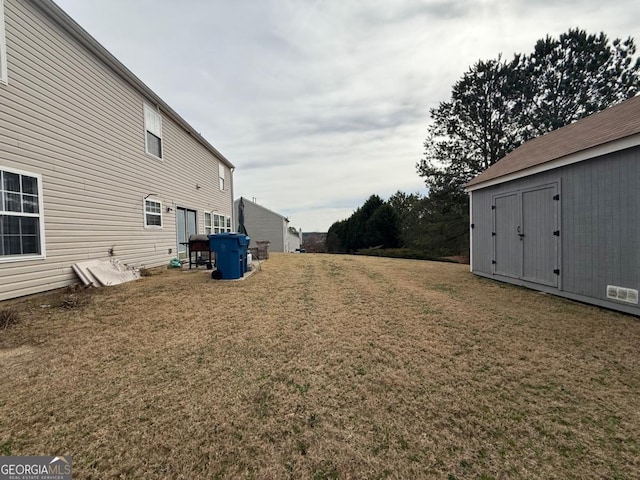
151, 113
4, 76
221, 223
221, 176
208, 225
145, 213
39, 215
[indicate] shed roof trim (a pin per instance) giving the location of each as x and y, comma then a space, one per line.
606, 127
70, 26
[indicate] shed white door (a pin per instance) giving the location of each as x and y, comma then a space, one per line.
526, 235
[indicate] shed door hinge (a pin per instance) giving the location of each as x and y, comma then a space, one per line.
473, 225
557, 271
557, 233
556, 196
493, 207
493, 234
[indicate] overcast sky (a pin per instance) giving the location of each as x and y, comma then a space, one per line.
322, 103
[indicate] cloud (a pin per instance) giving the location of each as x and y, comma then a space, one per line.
320, 104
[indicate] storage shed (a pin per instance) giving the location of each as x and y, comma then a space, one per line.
561, 213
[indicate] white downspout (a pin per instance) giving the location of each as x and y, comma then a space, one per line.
470, 231
233, 211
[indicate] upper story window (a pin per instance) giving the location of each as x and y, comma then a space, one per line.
221, 175
3, 47
21, 218
153, 132
152, 213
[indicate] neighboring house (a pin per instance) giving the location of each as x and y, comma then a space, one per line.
294, 239
92, 162
561, 212
263, 224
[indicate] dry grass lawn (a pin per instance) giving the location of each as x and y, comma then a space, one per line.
323, 367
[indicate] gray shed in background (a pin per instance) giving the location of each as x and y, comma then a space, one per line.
561, 213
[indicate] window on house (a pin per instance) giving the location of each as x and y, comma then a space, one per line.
152, 213
207, 223
3, 47
20, 215
221, 175
221, 223
153, 132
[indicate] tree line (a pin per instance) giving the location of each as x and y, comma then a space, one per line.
495, 106
416, 223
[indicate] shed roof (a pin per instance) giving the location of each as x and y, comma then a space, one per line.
92, 45
614, 123
236, 202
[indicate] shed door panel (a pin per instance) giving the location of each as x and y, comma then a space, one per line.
539, 243
507, 245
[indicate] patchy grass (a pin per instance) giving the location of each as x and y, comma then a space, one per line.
8, 317
324, 368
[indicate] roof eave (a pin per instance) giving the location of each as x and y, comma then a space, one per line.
246, 200
597, 151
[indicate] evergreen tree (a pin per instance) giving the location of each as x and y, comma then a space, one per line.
575, 75
498, 105
383, 228
407, 210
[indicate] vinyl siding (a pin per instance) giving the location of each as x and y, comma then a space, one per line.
293, 242
68, 117
599, 242
263, 225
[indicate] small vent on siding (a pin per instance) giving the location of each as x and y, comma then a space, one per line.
627, 295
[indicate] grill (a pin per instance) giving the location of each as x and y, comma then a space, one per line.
199, 251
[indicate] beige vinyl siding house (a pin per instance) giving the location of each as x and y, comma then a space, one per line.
114, 169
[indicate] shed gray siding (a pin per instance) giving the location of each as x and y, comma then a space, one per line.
70, 118
598, 227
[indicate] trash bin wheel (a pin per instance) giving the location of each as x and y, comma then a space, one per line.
216, 275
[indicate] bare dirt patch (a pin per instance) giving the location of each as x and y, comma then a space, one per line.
323, 366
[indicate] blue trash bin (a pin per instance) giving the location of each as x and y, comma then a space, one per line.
231, 255
244, 248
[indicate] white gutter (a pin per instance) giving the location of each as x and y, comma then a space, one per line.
233, 210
